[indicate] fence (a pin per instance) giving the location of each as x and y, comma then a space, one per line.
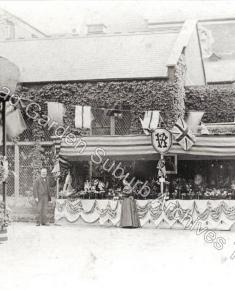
20, 155
20, 160
104, 122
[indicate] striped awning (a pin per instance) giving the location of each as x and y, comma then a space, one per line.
140, 147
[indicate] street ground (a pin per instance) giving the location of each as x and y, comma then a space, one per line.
98, 257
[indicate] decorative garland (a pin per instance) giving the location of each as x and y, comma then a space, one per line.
151, 210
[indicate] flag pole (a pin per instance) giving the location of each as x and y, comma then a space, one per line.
4, 150
57, 187
161, 180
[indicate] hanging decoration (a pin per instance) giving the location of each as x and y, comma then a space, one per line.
161, 166
174, 213
183, 135
56, 112
194, 119
161, 140
83, 117
15, 124
56, 169
150, 121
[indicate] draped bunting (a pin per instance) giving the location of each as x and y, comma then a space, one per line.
216, 215
194, 119
150, 121
90, 211
56, 112
15, 124
83, 117
141, 145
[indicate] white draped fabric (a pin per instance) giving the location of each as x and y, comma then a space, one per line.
89, 211
178, 214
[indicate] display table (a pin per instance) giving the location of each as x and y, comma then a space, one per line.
173, 214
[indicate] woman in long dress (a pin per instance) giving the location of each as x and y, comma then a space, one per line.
129, 214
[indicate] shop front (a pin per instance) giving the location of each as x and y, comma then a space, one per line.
199, 184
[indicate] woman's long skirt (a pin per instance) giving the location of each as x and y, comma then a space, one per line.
129, 215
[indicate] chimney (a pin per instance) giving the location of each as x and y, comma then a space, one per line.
98, 28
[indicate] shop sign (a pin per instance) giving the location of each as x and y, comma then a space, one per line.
161, 140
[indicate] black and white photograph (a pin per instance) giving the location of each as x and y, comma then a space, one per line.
117, 145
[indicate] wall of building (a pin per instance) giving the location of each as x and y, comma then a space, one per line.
217, 102
137, 95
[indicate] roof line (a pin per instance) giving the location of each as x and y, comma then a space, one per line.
181, 42
23, 21
159, 78
217, 19
91, 36
201, 56
220, 82
165, 22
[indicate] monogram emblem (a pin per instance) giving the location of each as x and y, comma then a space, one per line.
161, 140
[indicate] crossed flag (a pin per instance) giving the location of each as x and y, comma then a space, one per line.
183, 135
181, 130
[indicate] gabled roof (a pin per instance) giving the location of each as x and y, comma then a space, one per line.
221, 71
220, 44
101, 57
21, 23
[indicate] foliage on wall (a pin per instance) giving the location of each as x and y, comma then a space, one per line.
217, 102
139, 96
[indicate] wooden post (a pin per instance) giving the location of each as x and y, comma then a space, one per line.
112, 125
90, 162
17, 172
57, 187
4, 149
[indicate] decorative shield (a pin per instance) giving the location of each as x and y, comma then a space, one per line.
161, 140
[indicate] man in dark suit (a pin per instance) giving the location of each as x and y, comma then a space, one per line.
42, 195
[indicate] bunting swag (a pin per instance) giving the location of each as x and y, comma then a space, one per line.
150, 121
60, 162
15, 124
207, 146
56, 169
204, 130
193, 120
216, 215
56, 112
183, 135
89, 211
161, 168
83, 117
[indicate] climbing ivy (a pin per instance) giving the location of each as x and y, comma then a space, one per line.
217, 102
